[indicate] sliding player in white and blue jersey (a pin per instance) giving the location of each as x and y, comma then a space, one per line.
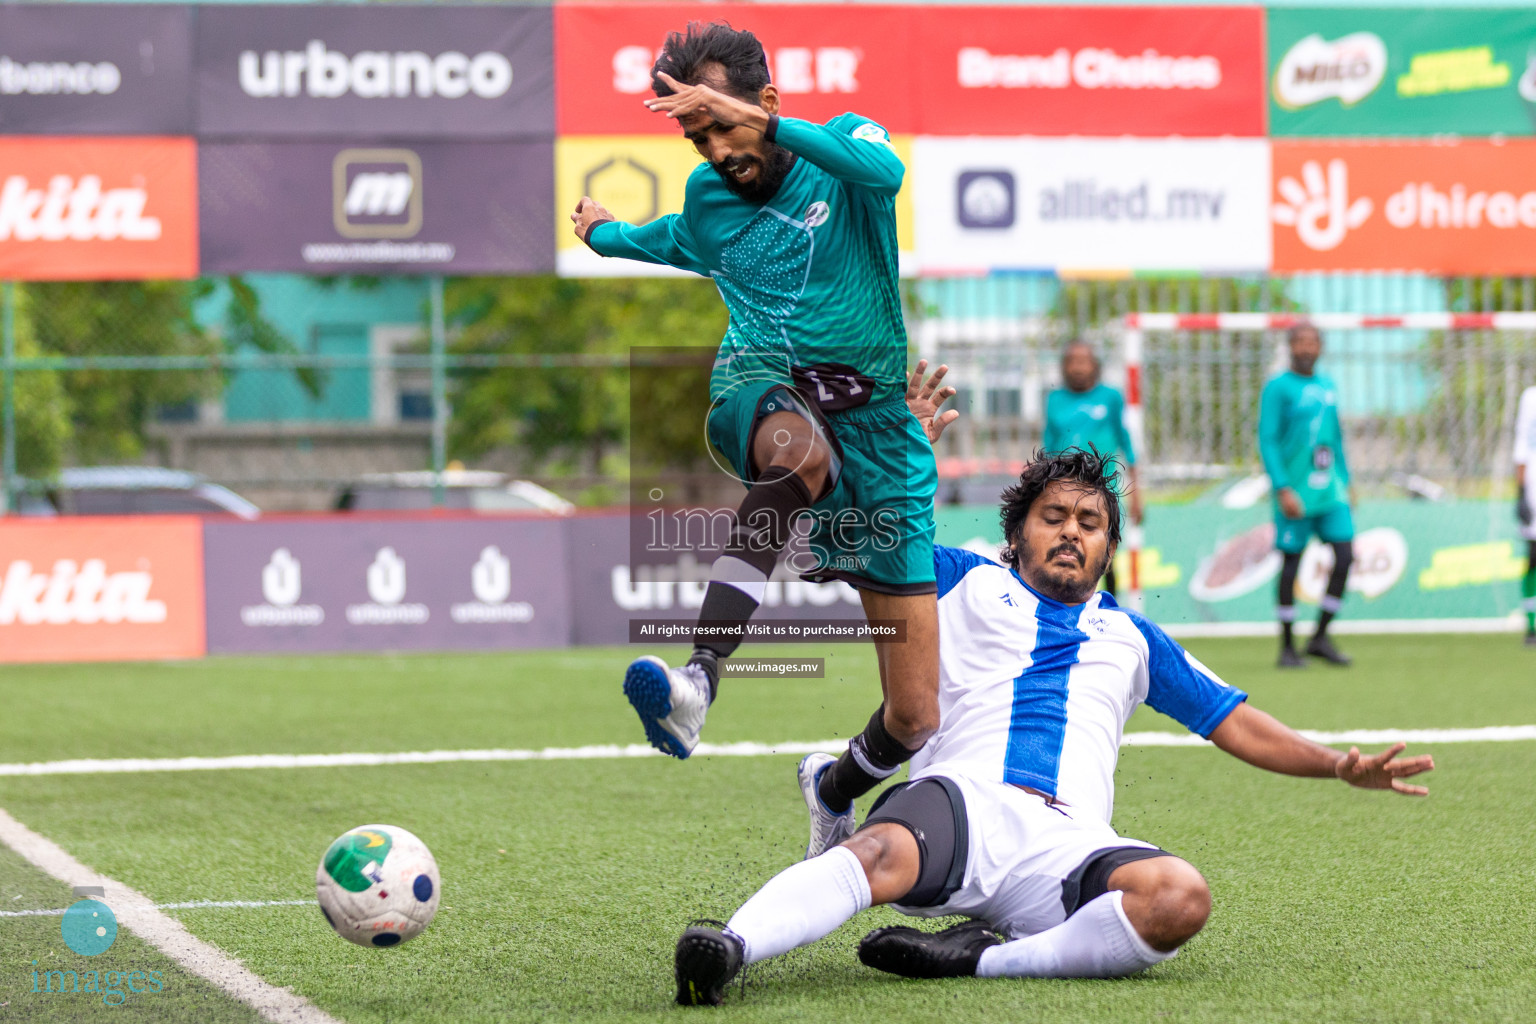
1006, 819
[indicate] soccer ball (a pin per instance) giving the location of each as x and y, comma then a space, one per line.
378, 886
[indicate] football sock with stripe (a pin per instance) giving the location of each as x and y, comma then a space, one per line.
1286, 602
801, 904
872, 756
739, 577
1098, 941
1343, 557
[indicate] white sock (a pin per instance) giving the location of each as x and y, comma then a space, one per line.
1098, 941
802, 904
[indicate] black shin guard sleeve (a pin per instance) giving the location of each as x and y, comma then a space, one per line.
1288, 571
1343, 558
765, 516
872, 756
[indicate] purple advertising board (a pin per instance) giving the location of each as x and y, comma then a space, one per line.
95, 69
363, 71
376, 208
346, 584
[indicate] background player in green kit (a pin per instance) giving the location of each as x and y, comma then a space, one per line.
795, 222
1303, 452
1087, 413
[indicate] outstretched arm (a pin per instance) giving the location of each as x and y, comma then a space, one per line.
1249, 734
664, 241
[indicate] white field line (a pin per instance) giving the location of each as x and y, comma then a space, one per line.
138, 914
1488, 734
193, 905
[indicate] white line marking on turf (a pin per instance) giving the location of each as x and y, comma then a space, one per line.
193, 905
139, 915
1487, 734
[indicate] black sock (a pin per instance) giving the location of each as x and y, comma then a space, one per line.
872, 756
759, 532
1343, 557
1286, 611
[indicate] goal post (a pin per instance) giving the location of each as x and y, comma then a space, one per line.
1133, 329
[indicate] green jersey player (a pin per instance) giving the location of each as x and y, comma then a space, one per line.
1086, 413
1303, 452
795, 222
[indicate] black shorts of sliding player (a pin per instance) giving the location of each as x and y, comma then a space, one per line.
1090, 879
933, 810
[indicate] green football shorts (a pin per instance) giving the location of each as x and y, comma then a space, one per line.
1334, 525
873, 528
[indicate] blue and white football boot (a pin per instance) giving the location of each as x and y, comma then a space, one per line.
671, 703
827, 829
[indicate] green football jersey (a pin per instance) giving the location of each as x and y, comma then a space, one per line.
1300, 440
810, 277
1080, 419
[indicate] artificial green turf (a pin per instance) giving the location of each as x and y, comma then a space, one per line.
565, 883
29, 944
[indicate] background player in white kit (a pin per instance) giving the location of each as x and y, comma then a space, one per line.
1006, 820
1525, 504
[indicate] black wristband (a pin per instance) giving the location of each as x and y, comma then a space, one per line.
587, 238
772, 131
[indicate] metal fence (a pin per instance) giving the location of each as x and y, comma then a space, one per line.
112, 373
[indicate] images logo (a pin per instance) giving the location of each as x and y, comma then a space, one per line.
89, 927
1318, 207
376, 193
985, 199
1348, 69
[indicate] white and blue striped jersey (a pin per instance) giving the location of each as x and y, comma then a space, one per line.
1037, 693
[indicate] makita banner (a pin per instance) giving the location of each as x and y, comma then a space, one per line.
71, 69
1088, 70
386, 584
1441, 207
377, 208
1091, 204
825, 59
354, 71
1402, 72
110, 589
97, 208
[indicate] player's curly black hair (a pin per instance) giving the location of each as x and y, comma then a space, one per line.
684, 55
1087, 467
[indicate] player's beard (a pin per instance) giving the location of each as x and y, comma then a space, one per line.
774, 167
1062, 585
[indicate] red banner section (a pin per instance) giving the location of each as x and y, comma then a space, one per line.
944, 70
97, 208
1441, 207
101, 589
824, 59
1091, 71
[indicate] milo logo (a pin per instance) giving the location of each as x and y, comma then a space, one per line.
356, 860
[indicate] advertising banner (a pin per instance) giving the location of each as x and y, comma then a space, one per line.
80, 69
1088, 70
1402, 71
328, 71
1092, 204
641, 177
97, 208
1440, 207
101, 589
825, 60
377, 208
1413, 560
608, 590
345, 584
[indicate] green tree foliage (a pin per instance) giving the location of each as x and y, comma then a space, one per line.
108, 408
42, 422
571, 419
